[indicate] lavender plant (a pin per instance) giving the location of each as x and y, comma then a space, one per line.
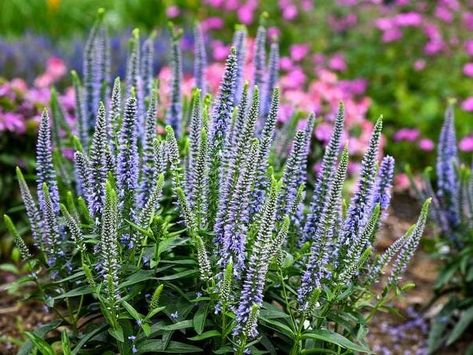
452, 211
196, 242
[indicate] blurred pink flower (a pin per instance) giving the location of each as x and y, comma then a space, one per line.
298, 51
172, 11
401, 182
273, 32
468, 69
467, 104
443, 14
406, 134
419, 64
285, 63
289, 10
469, 47
408, 19
323, 132
212, 23
466, 144
219, 50
337, 62
468, 20
433, 47
12, 121
391, 35
426, 144
245, 14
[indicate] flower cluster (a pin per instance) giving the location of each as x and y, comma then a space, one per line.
119, 247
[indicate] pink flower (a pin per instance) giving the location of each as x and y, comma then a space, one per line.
443, 14
212, 23
172, 11
401, 182
406, 134
433, 47
468, 20
426, 144
408, 19
245, 14
220, 51
274, 32
298, 51
419, 64
391, 35
469, 47
323, 132
285, 63
12, 121
467, 104
468, 69
289, 11
466, 144
337, 63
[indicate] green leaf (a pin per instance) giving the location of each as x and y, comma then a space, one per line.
66, 344
224, 350
179, 275
281, 327
83, 290
156, 346
465, 320
132, 311
269, 311
137, 277
170, 243
117, 333
40, 344
179, 325
335, 338
87, 337
206, 335
40, 332
200, 317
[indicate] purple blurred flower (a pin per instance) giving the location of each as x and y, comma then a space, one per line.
468, 20
468, 69
337, 62
406, 134
426, 144
466, 144
298, 51
212, 23
469, 47
467, 104
419, 64
172, 11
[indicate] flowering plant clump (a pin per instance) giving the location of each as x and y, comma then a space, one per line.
194, 241
452, 210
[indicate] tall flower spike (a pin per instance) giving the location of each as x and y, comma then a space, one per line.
447, 160
273, 74
200, 173
203, 259
32, 211
147, 65
44, 164
292, 173
115, 114
316, 266
51, 237
267, 137
239, 153
354, 254
82, 121
148, 166
174, 113
194, 139
308, 134
105, 64
109, 246
127, 164
93, 56
82, 166
200, 59
20, 243
98, 164
239, 42
133, 71
221, 118
410, 246
360, 203
384, 183
260, 55
324, 179
176, 173
235, 227
253, 285
74, 228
